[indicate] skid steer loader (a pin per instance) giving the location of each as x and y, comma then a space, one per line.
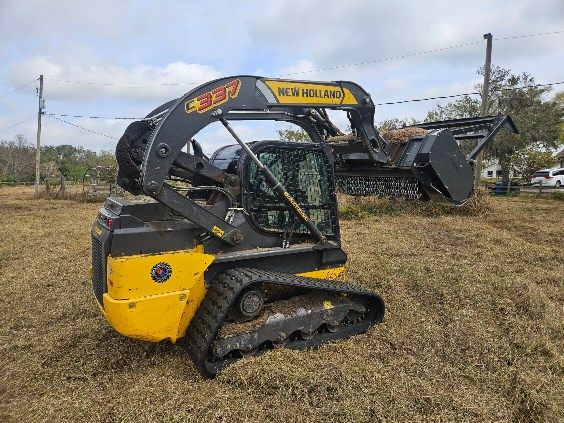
240, 252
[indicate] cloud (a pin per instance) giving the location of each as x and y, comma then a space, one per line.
297, 70
151, 44
332, 33
141, 82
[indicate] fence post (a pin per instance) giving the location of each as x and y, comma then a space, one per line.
540, 187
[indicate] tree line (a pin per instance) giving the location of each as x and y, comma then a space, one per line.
17, 161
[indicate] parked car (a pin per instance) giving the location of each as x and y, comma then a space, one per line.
549, 177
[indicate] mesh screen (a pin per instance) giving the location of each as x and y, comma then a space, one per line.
306, 175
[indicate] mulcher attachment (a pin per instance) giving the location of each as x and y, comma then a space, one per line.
429, 166
322, 311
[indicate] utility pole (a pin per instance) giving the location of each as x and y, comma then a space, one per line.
485, 101
38, 151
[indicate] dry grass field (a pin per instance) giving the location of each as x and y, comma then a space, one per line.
474, 329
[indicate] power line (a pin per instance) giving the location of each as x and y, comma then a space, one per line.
513, 37
18, 88
388, 103
366, 62
385, 59
83, 128
123, 85
55, 116
402, 56
17, 124
377, 104
94, 117
466, 94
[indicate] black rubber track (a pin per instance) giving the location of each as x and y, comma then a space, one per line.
221, 295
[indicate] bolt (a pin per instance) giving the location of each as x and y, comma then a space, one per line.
131, 305
232, 180
182, 297
237, 238
163, 150
199, 166
152, 186
217, 112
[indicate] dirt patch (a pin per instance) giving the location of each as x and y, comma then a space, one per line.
473, 331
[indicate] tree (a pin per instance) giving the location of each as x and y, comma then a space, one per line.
531, 159
73, 162
536, 117
17, 160
559, 99
293, 135
394, 123
105, 158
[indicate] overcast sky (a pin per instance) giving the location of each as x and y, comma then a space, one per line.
140, 46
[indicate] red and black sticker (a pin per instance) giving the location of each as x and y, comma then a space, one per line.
211, 99
161, 272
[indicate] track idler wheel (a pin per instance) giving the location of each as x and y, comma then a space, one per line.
248, 306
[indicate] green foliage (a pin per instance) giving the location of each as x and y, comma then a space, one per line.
529, 160
559, 99
73, 162
394, 123
556, 195
293, 135
537, 118
17, 160
463, 107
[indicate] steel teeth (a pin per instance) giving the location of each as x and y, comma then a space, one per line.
379, 186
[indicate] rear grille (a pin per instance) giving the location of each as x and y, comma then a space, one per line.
98, 264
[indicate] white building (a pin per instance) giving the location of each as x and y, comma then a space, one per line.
491, 169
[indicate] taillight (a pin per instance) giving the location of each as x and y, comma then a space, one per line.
548, 177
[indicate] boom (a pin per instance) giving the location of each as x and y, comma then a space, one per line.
431, 166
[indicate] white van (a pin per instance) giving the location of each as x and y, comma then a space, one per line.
549, 177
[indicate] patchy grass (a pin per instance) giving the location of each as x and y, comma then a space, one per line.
556, 195
362, 207
473, 331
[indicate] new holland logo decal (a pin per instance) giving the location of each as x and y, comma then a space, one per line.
211, 99
292, 92
161, 272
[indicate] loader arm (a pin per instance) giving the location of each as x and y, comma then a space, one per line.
429, 167
194, 111
166, 131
